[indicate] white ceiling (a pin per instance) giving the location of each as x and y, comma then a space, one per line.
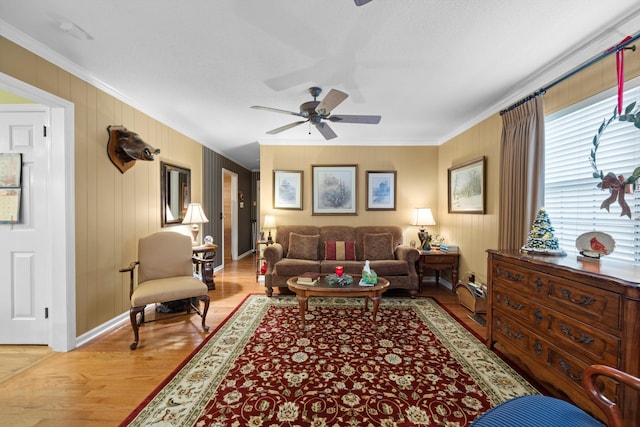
431, 68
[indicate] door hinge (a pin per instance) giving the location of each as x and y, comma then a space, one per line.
46, 312
44, 131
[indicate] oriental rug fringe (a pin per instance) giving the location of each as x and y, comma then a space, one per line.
416, 366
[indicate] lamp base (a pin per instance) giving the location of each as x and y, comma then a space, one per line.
269, 238
194, 232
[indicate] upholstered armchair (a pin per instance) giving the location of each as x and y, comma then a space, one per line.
544, 411
165, 273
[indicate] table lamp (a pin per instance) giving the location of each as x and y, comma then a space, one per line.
421, 218
269, 223
195, 215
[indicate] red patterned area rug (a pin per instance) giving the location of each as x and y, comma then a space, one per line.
417, 366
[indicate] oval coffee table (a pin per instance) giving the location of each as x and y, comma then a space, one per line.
324, 289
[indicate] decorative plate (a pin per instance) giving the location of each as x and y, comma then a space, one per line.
594, 244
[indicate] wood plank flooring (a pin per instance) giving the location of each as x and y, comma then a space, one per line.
101, 382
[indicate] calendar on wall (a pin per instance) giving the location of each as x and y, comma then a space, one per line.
10, 187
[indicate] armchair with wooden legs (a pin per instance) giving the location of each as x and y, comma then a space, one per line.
165, 273
545, 411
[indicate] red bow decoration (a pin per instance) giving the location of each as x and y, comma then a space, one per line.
617, 187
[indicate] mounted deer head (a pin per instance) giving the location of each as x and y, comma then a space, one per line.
125, 147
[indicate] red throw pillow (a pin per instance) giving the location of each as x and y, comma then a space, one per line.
339, 251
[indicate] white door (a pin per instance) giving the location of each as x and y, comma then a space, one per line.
25, 278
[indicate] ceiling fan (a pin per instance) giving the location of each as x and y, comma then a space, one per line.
361, 2
317, 112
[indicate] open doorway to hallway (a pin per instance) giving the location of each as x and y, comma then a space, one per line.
229, 216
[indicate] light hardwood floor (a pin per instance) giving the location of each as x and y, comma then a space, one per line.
101, 382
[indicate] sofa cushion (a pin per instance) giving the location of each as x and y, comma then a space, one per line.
303, 247
378, 246
294, 267
339, 251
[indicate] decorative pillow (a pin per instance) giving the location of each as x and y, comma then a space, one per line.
378, 246
302, 246
339, 251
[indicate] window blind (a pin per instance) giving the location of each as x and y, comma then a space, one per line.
572, 198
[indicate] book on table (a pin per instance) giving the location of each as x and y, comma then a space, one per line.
308, 278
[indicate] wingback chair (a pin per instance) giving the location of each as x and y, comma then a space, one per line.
165, 273
545, 411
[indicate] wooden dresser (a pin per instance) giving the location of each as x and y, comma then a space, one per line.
554, 316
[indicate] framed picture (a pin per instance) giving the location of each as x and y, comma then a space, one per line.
467, 187
287, 189
334, 189
381, 190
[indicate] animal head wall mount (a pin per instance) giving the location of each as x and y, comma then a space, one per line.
125, 147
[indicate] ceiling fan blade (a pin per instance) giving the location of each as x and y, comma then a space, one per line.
285, 127
326, 131
346, 118
276, 110
331, 101
361, 2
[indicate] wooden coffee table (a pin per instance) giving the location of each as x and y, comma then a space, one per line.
324, 289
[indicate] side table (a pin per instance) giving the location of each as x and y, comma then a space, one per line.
437, 260
203, 258
260, 247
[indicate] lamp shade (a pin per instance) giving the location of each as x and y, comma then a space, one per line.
269, 221
422, 217
194, 215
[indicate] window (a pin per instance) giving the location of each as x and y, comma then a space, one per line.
572, 199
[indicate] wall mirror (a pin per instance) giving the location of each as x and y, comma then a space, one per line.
175, 189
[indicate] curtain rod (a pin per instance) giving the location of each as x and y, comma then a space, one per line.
587, 64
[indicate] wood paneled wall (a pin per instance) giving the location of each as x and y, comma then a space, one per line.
112, 210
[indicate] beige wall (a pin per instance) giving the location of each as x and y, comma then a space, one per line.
112, 209
417, 176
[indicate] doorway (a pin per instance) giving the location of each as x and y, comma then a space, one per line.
229, 216
58, 202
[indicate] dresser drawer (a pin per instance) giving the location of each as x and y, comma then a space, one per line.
580, 339
512, 333
512, 277
572, 369
594, 306
513, 303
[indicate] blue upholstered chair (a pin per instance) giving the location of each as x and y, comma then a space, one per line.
543, 411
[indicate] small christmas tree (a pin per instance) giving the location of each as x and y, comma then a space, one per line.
541, 238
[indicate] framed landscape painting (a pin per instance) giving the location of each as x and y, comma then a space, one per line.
334, 189
467, 187
381, 190
287, 189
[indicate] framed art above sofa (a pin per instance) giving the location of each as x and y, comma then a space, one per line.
335, 189
287, 189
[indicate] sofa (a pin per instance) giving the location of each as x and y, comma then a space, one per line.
307, 248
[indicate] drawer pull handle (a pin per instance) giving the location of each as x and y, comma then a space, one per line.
517, 335
516, 306
538, 348
538, 316
513, 277
584, 338
567, 371
583, 300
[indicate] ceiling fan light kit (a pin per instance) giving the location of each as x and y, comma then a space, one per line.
316, 112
